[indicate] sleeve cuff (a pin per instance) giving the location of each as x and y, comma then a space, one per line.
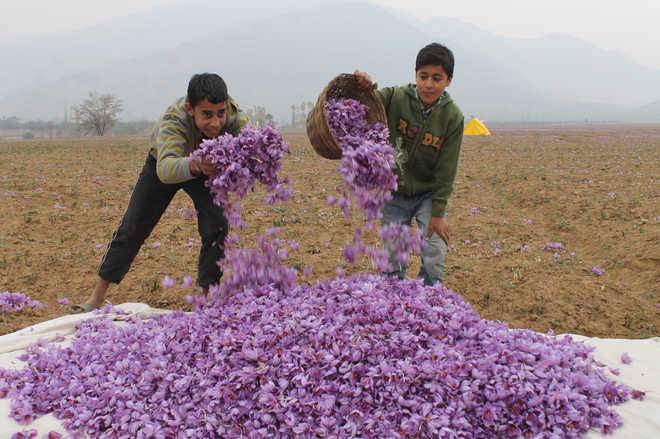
177, 174
438, 209
189, 175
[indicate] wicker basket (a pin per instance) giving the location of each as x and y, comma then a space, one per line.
343, 86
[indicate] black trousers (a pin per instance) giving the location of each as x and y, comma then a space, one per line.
149, 200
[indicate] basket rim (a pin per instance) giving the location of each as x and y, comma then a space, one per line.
369, 98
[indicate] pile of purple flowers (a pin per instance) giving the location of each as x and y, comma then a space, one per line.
16, 302
367, 168
364, 356
239, 162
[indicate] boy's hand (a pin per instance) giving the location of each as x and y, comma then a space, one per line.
199, 166
440, 226
363, 79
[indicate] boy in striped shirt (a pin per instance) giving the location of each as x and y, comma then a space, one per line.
205, 112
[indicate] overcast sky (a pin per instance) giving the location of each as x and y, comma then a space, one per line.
631, 26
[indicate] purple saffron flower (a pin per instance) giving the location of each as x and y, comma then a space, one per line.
552, 246
597, 270
167, 282
187, 282
25, 434
188, 213
349, 254
625, 358
637, 394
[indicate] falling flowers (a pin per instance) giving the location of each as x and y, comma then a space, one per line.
367, 169
239, 162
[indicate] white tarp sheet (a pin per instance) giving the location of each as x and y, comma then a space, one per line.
641, 418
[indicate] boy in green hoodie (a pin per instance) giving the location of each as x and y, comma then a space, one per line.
426, 131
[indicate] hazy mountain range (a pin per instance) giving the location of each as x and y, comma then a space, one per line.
277, 54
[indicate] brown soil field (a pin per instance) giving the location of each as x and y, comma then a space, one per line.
594, 189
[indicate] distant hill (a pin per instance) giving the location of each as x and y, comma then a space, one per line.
560, 66
647, 113
32, 62
279, 56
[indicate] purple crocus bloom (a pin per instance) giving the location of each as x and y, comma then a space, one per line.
188, 213
25, 434
349, 254
553, 246
167, 282
187, 282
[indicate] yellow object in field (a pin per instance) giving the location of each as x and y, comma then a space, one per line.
475, 127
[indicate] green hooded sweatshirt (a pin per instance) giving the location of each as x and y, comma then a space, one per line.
426, 148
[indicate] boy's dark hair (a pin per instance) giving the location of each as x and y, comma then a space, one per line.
436, 54
209, 86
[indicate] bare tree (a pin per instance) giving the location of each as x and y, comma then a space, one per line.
97, 113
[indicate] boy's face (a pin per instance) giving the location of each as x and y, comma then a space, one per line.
209, 118
431, 83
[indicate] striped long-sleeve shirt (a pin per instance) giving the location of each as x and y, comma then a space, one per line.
175, 136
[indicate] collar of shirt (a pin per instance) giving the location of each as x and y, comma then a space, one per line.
426, 111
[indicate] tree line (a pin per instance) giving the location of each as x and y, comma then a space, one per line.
98, 114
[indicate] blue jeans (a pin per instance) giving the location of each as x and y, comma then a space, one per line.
402, 210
